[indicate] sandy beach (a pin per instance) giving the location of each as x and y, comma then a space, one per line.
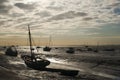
103, 65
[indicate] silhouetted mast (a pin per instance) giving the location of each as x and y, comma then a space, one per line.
30, 41
49, 40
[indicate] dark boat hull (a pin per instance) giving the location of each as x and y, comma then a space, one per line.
11, 51
70, 50
38, 64
46, 49
41, 65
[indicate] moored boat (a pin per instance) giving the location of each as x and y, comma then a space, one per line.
11, 51
31, 60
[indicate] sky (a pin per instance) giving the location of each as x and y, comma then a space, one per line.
68, 22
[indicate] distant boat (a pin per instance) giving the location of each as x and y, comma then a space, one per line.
109, 49
96, 50
70, 50
89, 49
11, 51
47, 48
56, 48
33, 61
38, 47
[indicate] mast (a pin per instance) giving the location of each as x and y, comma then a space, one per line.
49, 40
30, 42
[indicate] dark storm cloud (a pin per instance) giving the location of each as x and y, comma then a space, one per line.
117, 11
113, 5
116, 4
68, 15
4, 8
25, 6
43, 14
23, 19
16, 15
54, 8
3, 11
2, 22
87, 18
2, 1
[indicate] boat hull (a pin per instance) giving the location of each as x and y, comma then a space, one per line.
11, 51
38, 64
35, 64
46, 49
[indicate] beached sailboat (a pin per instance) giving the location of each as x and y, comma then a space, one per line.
96, 49
70, 50
11, 51
37, 47
47, 48
33, 61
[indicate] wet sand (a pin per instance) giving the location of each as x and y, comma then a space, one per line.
91, 66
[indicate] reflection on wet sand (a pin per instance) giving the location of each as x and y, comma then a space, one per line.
88, 65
